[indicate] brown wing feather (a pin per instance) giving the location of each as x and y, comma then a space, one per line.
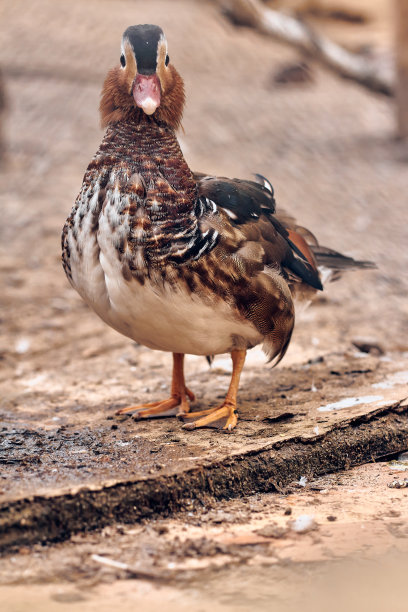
298, 240
262, 257
250, 207
317, 254
245, 268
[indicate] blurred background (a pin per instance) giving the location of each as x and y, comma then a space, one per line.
254, 104
263, 95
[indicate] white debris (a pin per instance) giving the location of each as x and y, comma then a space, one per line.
303, 523
22, 345
349, 402
35, 381
386, 384
403, 457
302, 481
109, 562
398, 378
399, 466
316, 430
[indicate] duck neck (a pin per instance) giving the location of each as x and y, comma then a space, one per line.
152, 150
153, 192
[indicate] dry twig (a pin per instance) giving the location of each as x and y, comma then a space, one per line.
131, 571
365, 70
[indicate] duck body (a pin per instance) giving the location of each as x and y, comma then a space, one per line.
181, 261
142, 249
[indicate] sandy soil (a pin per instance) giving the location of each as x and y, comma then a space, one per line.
262, 550
327, 147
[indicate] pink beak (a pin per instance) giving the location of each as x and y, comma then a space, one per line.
146, 92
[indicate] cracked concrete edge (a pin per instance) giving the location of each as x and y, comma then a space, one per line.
53, 518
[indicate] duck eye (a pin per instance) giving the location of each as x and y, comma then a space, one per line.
122, 60
167, 60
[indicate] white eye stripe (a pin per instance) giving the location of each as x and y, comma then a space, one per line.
122, 46
162, 40
123, 52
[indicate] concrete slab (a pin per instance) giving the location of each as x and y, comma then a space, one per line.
91, 469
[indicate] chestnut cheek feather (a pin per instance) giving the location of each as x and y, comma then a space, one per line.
147, 92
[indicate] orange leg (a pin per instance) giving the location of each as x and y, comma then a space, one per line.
228, 409
180, 396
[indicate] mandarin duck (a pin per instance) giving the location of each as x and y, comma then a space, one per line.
176, 260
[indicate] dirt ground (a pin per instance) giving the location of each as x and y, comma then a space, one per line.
341, 540
328, 147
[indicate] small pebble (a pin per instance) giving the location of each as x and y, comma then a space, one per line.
161, 529
67, 597
271, 531
295, 72
399, 484
392, 512
368, 346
